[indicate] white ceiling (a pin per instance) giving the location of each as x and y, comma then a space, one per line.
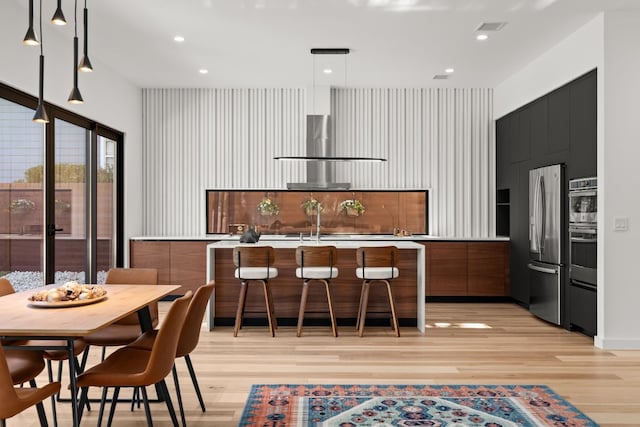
265, 43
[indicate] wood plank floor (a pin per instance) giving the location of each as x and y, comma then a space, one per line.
465, 343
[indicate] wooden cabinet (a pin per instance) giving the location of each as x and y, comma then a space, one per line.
179, 262
467, 268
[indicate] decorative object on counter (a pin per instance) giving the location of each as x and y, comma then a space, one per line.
267, 207
236, 228
310, 207
401, 232
364, 405
351, 207
250, 236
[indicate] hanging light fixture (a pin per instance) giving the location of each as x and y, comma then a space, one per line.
31, 39
41, 113
75, 97
85, 64
58, 16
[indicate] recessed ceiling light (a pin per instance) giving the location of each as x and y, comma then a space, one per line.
449, 70
204, 71
482, 37
327, 71
178, 39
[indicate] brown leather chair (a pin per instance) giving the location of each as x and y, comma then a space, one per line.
139, 367
316, 263
376, 264
189, 337
254, 264
15, 400
125, 330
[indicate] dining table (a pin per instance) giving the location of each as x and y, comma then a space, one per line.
22, 319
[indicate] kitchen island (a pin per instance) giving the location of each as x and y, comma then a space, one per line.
409, 288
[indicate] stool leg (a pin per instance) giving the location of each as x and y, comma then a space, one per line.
363, 306
394, 318
303, 305
274, 319
240, 310
360, 307
267, 302
334, 328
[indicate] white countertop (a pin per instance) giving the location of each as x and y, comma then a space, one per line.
340, 244
332, 237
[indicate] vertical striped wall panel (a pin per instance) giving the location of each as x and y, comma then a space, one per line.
440, 139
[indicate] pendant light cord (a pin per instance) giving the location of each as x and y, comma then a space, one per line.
41, 35
75, 17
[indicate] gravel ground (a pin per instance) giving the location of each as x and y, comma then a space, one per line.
25, 280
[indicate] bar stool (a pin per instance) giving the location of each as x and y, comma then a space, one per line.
376, 264
316, 263
254, 263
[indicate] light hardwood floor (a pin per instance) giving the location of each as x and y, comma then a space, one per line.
465, 343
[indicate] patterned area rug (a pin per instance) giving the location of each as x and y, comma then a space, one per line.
280, 405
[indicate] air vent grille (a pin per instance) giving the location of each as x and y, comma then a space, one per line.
491, 26
441, 77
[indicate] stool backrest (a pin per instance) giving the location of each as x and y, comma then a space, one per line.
316, 256
253, 256
378, 256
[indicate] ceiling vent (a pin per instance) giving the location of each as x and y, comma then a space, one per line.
491, 26
441, 77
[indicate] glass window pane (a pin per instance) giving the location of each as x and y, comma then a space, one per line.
21, 196
106, 192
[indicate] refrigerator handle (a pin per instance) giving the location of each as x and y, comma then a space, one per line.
533, 219
542, 269
543, 220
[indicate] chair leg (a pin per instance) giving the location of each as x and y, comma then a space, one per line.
176, 382
331, 312
303, 305
3, 423
363, 306
53, 398
359, 308
114, 401
394, 317
84, 397
147, 411
194, 380
167, 399
103, 402
40, 407
267, 302
104, 353
240, 310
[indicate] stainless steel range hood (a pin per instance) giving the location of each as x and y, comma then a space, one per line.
320, 150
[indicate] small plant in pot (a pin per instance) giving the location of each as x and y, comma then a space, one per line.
351, 207
310, 207
267, 207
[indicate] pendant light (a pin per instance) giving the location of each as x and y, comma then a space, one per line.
75, 97
31, 39
85, 64
41, 113
58, 16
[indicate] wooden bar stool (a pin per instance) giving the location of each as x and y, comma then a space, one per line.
316, 263
376, 264
254, 263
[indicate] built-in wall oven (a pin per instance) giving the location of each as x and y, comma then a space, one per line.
583, 244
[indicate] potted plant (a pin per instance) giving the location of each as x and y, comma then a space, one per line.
268, 207
310, 206
351, 207
21, 206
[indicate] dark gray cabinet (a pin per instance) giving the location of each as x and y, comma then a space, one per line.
559, 127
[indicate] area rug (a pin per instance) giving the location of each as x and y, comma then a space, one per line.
293, 405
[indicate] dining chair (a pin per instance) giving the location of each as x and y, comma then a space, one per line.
127, 329
135, 367
316, 264
14, 400
254, 264
79, 345
376, 264
189, 337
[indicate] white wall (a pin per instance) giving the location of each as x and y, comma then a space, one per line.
198, 139
109, 98
609, 43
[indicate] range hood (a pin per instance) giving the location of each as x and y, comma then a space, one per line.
320, 157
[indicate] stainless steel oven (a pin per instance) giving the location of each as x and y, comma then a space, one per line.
583, 244
583, 202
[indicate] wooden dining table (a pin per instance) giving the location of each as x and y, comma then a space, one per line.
20, 319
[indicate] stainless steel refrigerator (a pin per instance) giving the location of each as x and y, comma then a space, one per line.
545, 242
